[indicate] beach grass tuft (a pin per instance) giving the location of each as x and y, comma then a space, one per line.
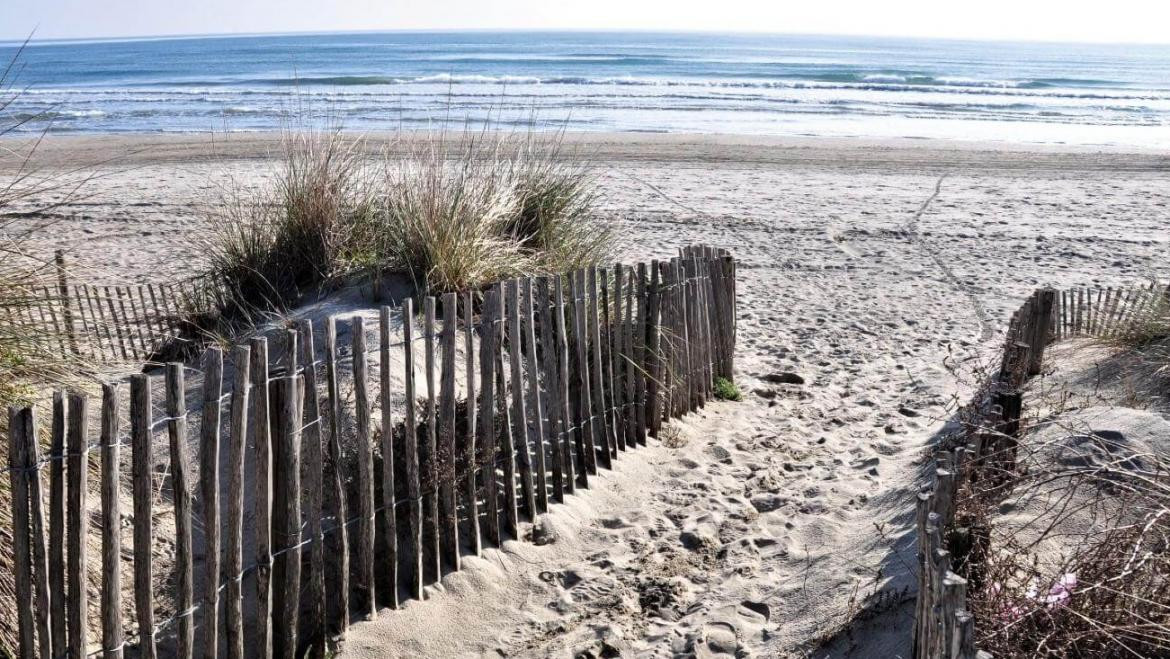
455, 212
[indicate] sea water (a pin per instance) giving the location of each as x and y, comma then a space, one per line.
601, 81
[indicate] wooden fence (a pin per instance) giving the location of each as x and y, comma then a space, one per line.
339, 514
110, 323
984, 450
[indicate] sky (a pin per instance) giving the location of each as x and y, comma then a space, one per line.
1123, 21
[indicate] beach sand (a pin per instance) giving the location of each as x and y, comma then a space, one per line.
877, 272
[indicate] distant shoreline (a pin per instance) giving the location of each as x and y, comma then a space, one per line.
66, 151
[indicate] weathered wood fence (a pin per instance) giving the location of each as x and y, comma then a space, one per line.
984, 449
110, 323
340, 512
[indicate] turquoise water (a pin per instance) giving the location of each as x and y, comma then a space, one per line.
707, 83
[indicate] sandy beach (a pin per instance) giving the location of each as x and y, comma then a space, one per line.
874, 276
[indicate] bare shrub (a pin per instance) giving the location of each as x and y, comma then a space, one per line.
1075, 557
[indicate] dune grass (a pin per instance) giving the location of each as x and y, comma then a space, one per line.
453, 211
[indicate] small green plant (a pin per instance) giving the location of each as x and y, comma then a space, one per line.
726, 390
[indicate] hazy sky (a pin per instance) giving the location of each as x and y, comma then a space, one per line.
1047, 20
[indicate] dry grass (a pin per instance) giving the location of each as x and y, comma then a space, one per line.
445, 208
455, 212
270, 246
556, 219
1074, 556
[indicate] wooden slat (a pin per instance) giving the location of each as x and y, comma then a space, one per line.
176, 407
616, 326
137, 344
57, 544
471, 493
237, 441
565, 410
212, 366
429, 462
389, 520
551, 375
631, 367
111, 595
37, 536
63, 297
59, 331
367, 605
144, 328
19, 469
507, 452
602, 431
287, 514
262, 502
605, 341
653, 356
78, 524
113, 320
586, 448
519, 417
338, 536
448, 515
143, 492
486, 461
535, 409
88, 329
414, 550
312, 456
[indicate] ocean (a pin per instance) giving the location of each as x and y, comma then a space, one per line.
602, 81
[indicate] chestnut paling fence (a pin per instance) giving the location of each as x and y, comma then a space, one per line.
523, 393
985, 449
111, 323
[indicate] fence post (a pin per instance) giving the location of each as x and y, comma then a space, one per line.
140, 422
519, 416
562, 401
209, 489
78, 523
430, 463
470, 448
237, 432
287, 515
389, 512
410, 444
111, 604
1041, 324
654, 361
262, 504
176, 408
19, 469
63, 295
535, 409
336, 498
57, 542
507, 444
449, 514
487, 412
315, 466
551, 374
367, 605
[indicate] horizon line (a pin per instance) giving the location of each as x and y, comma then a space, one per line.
31, 41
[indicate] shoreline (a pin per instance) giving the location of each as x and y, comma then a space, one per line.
130, 149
